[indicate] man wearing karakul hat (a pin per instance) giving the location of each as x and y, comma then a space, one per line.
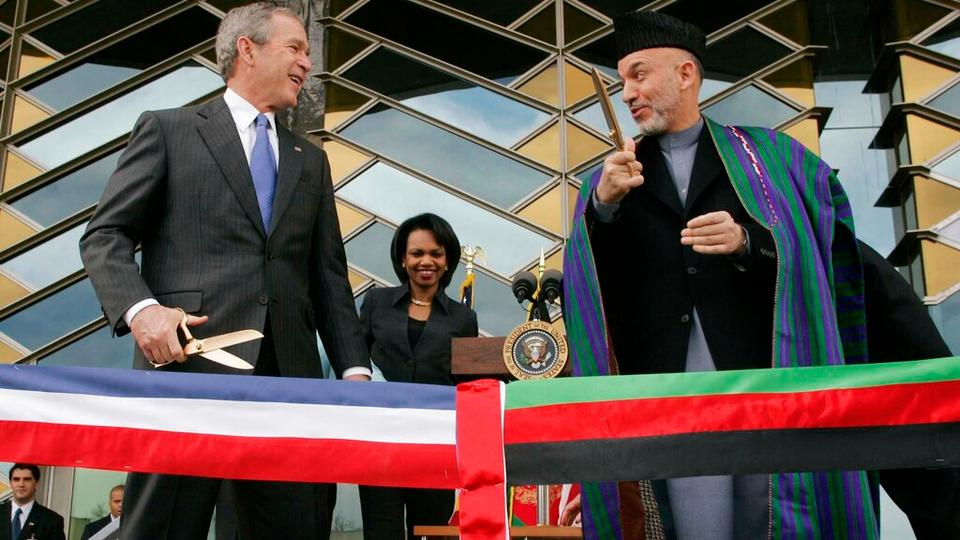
714, 247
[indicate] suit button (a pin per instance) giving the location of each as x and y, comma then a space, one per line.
685, 318
692, 270
264, 299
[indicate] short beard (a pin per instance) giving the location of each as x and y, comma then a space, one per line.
662, 107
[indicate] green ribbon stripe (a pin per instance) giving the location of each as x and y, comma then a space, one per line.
537, 393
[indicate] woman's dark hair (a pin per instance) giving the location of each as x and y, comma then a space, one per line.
441, 230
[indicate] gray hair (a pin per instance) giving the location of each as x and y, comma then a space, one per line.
255, 21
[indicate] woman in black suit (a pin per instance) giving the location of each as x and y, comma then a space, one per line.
408, 330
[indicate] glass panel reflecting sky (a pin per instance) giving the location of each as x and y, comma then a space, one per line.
458, 102
48, 262
949, 101
593, 116
864, 175
952, 231
460, 43
70, 194
53, 317
851, 107
946, 40
370, 250
736, 56
601, 53
502, 13
396, 196
445, 156
949, 167
947, 316
61, 144
99, 349
126, 58
750, 106
95, 21
711, 16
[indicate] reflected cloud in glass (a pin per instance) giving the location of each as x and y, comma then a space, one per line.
179, 87
396, 196
53, 317
453, 100
750, 106
52, 260
593, 116
70, 194
99, 349
445, 156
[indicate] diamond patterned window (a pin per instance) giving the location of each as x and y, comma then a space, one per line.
946, 40
450, 99
48, 262
427, 148
949, 167
750, 106
502, 13
68, 195
99, 349
948, 101
188, 82
96, 21
395, 196
53, 317
736, 56
125, 59
712, 16
451, 40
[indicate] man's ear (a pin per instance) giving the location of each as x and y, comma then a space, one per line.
245, 50
686, 73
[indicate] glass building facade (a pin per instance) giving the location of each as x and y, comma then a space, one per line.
480, 111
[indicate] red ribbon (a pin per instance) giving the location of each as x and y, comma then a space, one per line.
483, 500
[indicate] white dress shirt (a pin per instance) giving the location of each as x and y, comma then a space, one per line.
23, 515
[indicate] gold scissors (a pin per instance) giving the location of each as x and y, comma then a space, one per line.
614, 127
212, 347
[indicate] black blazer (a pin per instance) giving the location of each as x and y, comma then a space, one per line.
94, 527
183, 190
384, 320
651, 284
42, 524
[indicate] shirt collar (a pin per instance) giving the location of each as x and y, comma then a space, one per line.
243, 112
403, 293
681, 139
26, 508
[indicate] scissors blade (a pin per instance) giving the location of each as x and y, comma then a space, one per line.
615, 134
226, 340
223, 357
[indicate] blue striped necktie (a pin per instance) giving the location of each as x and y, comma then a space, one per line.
15, 524
263, 168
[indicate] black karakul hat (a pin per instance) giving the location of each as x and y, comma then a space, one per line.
636, 30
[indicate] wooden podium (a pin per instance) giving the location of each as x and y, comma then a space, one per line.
482, 357
477, 358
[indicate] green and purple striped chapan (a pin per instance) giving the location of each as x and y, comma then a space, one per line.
818, 321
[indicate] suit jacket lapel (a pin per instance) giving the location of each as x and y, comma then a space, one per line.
219, 132
288, 173
398, 315
657, 179
706, 167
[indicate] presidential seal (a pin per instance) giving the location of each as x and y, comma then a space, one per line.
535, 350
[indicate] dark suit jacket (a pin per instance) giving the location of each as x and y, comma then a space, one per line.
384, 319
650, 283
94, 527
183, 190
42, 523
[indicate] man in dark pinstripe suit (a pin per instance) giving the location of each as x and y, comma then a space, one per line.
190, 189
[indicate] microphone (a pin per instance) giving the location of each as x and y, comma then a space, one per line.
551, 285
524, 284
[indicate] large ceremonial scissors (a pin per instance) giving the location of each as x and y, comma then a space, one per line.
212, 347
615, 134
